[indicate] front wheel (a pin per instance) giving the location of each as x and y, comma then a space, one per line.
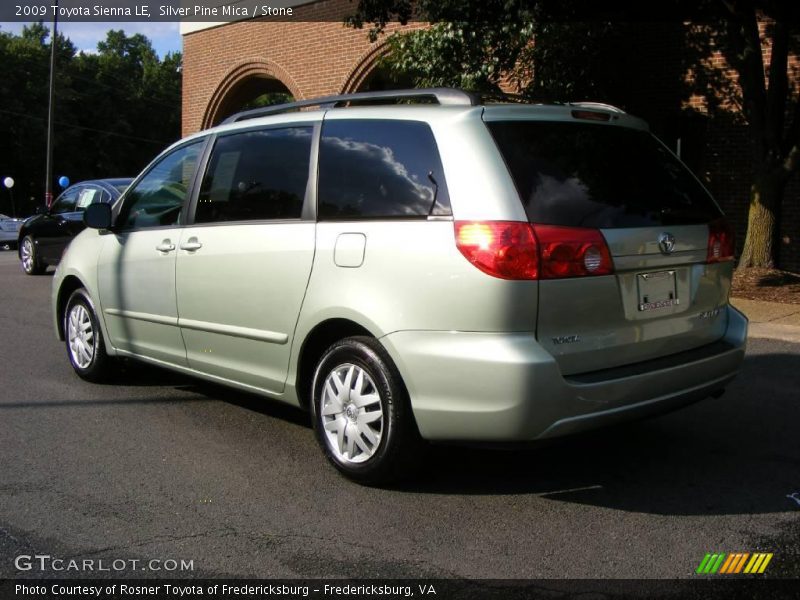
85, 346
29, 255
362, 415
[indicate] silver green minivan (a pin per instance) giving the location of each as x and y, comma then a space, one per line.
415, 265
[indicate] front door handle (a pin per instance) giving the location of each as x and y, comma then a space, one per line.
191, 244
166, 246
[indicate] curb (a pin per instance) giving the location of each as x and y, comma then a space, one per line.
771, 320
774, 331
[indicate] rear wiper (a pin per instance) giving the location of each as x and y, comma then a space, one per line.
435, 191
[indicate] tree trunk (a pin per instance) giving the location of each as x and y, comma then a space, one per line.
763, 222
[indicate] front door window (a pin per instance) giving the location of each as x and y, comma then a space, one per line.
158, 198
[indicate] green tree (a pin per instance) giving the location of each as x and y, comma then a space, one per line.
550, 55
23, 108
114, 109
136, 99
476, 45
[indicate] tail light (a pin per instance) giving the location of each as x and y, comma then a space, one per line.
720, 241
572, 252
504, 249
514, 250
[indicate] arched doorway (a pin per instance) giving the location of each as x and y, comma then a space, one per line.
249, 85
252, 92
370, 75
381, 78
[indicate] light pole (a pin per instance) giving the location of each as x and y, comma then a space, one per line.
9, 183
48, 184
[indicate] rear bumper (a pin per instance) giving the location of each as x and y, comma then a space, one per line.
505, 387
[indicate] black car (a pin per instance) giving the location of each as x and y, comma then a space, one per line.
43, 238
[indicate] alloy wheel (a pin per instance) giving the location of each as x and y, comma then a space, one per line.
27, 255
80, 334
352, 413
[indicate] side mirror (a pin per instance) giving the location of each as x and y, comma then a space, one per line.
97, 216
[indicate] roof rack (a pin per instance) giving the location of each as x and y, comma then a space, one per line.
600, 105
503, 97
444, 96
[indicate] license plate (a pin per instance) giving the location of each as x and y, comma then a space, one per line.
657, 290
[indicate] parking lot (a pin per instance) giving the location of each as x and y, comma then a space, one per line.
165, 467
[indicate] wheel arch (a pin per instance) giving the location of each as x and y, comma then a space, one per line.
319, 339
68, 286
28, 227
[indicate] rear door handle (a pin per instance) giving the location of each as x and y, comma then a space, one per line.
166, 246
191, 245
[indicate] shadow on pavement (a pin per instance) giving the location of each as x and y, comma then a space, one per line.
730, 455
737, 454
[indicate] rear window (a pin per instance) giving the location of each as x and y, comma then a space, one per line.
588, 175
380, 169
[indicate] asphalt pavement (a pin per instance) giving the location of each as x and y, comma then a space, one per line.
166, 467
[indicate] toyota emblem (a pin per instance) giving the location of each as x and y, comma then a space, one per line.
666, 243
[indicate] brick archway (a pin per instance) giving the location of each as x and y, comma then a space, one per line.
246, 75
365, 65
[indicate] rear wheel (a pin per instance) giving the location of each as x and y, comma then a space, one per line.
29, 255
85, 346
362, 416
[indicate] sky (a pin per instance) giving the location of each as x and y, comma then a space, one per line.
165, 37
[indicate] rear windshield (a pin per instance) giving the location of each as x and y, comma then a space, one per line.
590, 175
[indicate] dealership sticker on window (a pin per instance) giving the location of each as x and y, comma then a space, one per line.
86, 198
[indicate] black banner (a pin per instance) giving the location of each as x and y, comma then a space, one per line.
398, 589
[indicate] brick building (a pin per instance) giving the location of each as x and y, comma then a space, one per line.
228, 65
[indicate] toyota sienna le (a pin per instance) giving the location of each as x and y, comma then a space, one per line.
441, 270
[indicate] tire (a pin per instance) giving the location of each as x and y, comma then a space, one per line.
361, 413
29, 256
84, 339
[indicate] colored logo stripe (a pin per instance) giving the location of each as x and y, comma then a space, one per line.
758, 564
727, 564
735, 562
710, 563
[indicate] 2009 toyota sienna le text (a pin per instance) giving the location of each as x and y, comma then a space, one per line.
438, 270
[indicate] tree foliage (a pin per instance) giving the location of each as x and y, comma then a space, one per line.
478, 45
546, 52
115, 109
